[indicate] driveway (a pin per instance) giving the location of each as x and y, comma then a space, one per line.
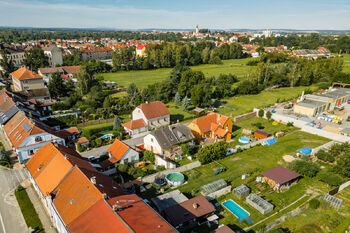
11, 218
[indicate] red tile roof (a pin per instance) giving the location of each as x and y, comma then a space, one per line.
223, 229
154, 109
141, 46
139, 216
94, 50
281, 175
117, 150
82, 140
210, 122
99, 218
135, 124
24, 73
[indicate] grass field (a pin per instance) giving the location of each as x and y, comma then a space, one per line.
143, 78
346, 58
28, 211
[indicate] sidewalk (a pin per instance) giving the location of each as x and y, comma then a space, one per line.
40, 209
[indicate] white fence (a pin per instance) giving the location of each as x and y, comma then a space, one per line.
343, 186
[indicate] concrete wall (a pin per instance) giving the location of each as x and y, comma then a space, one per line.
186, 167
323, 147
244, 116
218, 193
343, 186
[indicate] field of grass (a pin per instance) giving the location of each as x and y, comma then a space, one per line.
246, 103
143, 78
254, 161
28, 211
346, 58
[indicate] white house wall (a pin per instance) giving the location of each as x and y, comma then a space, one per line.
148, 144
131, 156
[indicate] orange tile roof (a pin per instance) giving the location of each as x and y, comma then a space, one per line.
117, 150
76, 193
135, 124
82, 140
139, 216
154, 109
54, 161
99, 218
24, 73
212, 119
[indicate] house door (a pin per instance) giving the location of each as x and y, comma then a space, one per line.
338, 102
152, 148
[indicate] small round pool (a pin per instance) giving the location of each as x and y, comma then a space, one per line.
175, 179
244, 140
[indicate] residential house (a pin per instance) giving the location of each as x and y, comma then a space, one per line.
29, 84
189, 213
96, 53
223, 229
28, 135
147, 116
121, 153
67, 72
165, 141
140, 50
169, 199
214, 126
54, 54
312, 53
14, 53
280, 178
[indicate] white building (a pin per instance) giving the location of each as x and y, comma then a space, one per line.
121, 153
15, 54
55, 55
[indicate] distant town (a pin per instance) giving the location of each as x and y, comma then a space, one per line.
174, 131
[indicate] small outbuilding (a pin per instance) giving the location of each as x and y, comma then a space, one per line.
280, 178
261, 134
259, 203
241, 191
199, 111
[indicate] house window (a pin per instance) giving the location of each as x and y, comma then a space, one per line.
38, 139
151, 139
31, 152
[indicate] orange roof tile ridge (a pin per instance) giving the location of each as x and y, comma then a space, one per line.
64, 177
126, 224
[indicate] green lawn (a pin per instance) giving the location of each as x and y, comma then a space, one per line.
143, 78
246, 103
28, 211
346, 58
254, 161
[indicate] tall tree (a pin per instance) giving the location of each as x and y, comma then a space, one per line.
6, 64
56, 86
85, 80
35, 59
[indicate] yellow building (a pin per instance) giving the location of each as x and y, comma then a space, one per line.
24, 80
311, 107
214, 126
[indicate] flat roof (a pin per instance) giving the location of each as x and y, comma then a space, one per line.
318, 97
310, 103
338, 93
167, 200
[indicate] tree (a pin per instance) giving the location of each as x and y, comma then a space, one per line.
85, 80
261, 113
177, 99
56, 86
330, 178
185, 103
148, 156
212, 152
188, 80
201, 95
35, 58
117, 123
305, 168
268, 115
343, 165
6, 64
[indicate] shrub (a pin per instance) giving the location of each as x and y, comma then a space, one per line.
212, 152
79, 147
189, 149
314, 203
325, 156
305, 168
330, 178
268, 115
261, 113
123, 168
290, 124
259, 125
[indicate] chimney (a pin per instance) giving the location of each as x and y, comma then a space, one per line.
65, 157
195, 205
93, 179
116, 207
104, 195
146, 102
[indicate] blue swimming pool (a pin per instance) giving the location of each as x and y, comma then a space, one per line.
234, 208
244, 140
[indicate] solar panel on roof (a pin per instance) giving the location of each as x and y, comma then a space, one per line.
26, 127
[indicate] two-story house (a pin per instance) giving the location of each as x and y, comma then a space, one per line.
54, 54
147, 116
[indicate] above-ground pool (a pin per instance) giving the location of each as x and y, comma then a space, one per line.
244, 140
235, 209
175, 179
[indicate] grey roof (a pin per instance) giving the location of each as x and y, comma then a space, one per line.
346, 130
310, 103
5, 116
169, 199
318, 97
172, 135
338, 93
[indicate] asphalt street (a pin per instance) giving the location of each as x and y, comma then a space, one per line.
11, 218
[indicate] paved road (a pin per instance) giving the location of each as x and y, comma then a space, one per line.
11, 218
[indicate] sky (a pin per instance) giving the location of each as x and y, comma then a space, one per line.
178, 14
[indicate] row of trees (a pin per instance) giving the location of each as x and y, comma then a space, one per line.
172, 54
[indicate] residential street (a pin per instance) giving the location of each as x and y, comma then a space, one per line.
11, 218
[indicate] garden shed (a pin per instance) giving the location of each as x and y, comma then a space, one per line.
261, 134
241, 191
259, 203
212, 187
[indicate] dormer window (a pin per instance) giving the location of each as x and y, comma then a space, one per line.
38, 139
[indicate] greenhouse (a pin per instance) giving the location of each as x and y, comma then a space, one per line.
212, 187
241, 191
259, 203
333, 201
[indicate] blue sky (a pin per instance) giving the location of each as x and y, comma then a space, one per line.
135, 14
